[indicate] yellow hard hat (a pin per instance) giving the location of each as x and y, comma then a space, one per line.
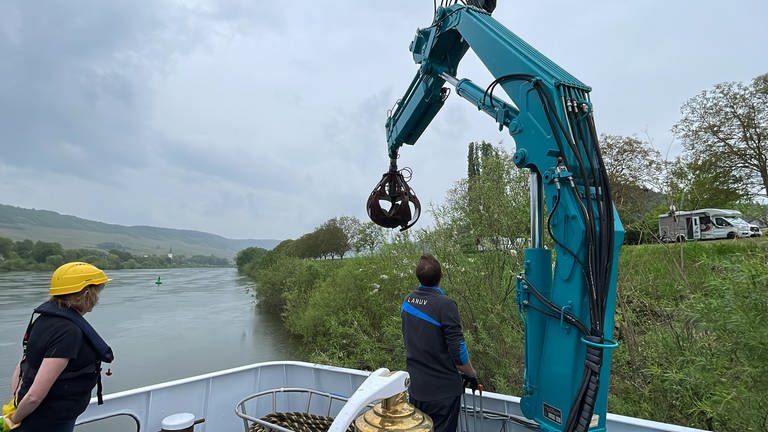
73, 277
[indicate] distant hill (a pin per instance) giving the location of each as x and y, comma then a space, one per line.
73, 233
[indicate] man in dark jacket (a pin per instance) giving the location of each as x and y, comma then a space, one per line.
436, 353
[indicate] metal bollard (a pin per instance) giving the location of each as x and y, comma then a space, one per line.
180, 422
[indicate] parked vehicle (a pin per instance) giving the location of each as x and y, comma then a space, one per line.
725, 220
702, 224
754, 231
680, 226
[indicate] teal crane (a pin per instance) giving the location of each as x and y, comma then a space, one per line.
567, 305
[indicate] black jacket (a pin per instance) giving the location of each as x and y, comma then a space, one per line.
434, 344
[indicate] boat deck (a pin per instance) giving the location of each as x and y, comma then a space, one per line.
215, 396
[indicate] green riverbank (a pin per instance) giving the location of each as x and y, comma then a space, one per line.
691, 320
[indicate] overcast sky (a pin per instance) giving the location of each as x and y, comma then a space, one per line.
256, 119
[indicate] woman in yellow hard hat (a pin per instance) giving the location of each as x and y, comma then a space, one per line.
62, 357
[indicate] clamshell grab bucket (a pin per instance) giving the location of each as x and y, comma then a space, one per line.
402, 206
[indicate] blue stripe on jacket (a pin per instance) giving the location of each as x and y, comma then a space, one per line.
463, 353
410, 309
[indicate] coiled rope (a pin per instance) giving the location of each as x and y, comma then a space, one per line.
297, 422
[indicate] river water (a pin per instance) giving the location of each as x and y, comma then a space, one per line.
197, 321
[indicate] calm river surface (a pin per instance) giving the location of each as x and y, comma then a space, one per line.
196, 321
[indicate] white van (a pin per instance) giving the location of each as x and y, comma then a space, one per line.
723, 223
755, 230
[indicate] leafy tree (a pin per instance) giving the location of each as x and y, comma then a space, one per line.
54, 260
14, 264
329, 240
308, 246
635, 170
76, 254
332, 239
276, 277
24, 248
491, 204
369, 238
123, 255
351, 227
286, 247
43, 250
473, 168
729, 124
6, 247
693, 183
248, 256
207, 260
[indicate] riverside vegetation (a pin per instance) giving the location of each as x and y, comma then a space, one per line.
39, 255
691, 318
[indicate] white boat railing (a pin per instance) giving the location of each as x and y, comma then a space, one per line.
214, 397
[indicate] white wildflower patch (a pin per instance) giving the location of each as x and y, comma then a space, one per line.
383, 277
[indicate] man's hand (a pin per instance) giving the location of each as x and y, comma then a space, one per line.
470, 382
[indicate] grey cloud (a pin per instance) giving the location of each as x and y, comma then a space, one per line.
77, 75
238, 165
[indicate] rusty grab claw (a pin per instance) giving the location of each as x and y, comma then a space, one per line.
394, 190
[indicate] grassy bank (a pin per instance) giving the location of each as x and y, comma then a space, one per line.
692, 321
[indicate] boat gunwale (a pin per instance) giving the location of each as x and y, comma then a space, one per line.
619, 422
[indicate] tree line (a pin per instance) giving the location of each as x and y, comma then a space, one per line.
335, 238
41, 255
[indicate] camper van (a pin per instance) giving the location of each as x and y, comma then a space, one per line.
702, 224
723, 223
680, 226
